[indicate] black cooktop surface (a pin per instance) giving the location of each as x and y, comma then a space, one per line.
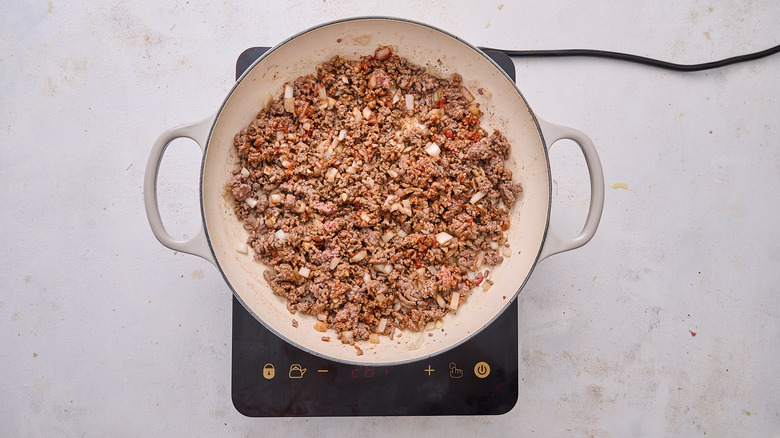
272, 378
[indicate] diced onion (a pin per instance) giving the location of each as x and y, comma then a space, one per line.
359, 256
322, 94
382, 325
380, 297
373, 338
275, 198
242, 248
392, 173
288, 91
280, 234
347, 334
289, 104
366, 277
434, 113
454, 300
280, 135
396, 96
268, 100
401, 234
388, 236
476, 197
251, 202
493, 245
365, 217
333, 263
443, 238
357, 115
304, 271
367, 112
486, 285
480, 259
382, 52
438, 324
440, 301
409, 102
322, 316
388, 268
467, 94
342, 134
330, 175
321, 326
506, 252
432, 149
244, 171
473, 109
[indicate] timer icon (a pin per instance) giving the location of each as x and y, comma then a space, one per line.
481, 370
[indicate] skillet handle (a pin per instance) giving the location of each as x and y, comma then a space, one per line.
554, 244
197, 244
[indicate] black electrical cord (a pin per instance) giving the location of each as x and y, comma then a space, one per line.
639, 59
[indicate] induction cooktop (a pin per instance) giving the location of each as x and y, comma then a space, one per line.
273, 378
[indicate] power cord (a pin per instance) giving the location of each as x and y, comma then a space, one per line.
639, 59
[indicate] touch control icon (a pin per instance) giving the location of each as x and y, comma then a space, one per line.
296, 371
269, 371
481, 370
455, 372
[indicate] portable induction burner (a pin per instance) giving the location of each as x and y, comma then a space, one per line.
272, 378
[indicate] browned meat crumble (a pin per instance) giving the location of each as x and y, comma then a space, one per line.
373, 216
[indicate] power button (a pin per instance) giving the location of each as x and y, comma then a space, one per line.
481, 370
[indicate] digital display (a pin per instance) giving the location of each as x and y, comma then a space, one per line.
365, 372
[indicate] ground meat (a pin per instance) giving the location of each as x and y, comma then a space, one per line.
367, 213
241, 191
509, 191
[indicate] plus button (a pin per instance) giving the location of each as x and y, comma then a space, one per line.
429, 370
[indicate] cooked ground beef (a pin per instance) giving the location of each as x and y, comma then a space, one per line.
371, 214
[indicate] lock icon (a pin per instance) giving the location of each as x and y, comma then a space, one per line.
269, 371
296, 371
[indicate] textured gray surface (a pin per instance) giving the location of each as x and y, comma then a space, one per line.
666, 324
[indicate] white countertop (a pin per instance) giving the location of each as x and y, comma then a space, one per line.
666, 324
